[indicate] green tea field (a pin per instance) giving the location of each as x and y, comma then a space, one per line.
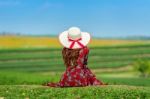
23, 71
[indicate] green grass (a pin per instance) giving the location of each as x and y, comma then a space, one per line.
19, 78
29, 85
103, 92
126, 81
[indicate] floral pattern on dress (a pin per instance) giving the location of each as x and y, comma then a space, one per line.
79, 75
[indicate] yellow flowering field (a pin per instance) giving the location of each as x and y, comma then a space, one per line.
38, 42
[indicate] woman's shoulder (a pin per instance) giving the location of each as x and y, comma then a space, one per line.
84, 50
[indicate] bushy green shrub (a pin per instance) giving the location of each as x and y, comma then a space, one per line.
143, 67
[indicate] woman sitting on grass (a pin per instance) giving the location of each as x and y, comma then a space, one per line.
75, 55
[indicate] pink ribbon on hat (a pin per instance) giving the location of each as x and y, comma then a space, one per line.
75, 41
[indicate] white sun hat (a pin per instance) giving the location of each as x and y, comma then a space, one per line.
74, 38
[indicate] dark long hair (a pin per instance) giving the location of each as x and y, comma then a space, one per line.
70, 56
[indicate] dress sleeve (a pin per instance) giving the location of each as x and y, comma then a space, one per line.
83, 55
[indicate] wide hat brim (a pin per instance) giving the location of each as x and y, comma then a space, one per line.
63, 38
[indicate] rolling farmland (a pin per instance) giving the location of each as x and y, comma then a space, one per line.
47, 59
28, 62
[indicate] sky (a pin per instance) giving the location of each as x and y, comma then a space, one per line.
101, 18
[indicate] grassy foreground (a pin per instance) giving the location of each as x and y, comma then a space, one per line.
18, 78
19, 85
91, 92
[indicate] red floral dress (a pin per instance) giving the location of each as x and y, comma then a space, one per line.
79, 75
